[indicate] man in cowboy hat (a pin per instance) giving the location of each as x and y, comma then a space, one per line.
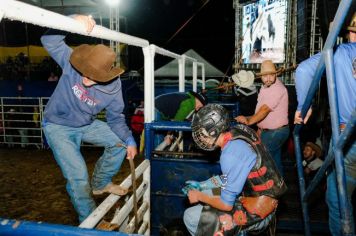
312, 161
89, 84
345, 82
271, 113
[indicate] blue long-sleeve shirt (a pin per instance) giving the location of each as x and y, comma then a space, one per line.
236, 161
74, 105
345, 79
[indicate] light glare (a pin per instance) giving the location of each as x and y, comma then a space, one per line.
113, 3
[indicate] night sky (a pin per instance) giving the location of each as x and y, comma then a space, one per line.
210, 30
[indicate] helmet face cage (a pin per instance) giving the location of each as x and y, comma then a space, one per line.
209, 122
203, 140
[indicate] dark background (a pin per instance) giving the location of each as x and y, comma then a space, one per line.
210, 30
207, 26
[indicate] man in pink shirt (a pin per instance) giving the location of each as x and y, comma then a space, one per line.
271, 114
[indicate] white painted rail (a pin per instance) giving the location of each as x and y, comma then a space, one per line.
20, 11
93, 219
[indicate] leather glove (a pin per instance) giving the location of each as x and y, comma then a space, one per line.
213, 182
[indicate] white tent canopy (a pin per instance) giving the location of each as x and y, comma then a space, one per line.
171, 68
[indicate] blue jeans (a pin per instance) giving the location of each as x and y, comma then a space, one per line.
274, 140
191, 218
192, 214
332, 197
65, 144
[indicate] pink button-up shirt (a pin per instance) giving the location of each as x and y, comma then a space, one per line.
276, 98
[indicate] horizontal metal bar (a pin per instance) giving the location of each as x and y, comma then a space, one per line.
169, 125
20, 11
165, 52
178, 153
28, 228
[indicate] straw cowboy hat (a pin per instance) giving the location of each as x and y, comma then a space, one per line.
352, 26
268, 68
243, 79
315, 147
95, 62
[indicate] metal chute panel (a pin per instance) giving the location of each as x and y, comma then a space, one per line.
168, 178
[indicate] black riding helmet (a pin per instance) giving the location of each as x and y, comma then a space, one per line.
208, 123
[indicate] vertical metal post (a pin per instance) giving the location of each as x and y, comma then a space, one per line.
340, 15
287, 35
195, 76
181, 68
151, 90
148, 84
236, 6
294, 36
312, 28
149, 140
115, 25
339, 159
298, 155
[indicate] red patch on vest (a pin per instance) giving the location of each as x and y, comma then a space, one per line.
269, 184
260, 172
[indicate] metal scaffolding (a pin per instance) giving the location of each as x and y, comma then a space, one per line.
115, 25
316, 41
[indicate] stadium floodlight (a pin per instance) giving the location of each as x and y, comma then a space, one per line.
113, 3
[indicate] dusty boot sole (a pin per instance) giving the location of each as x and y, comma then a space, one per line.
114, 189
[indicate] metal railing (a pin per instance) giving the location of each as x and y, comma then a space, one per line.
21, 119
21, 122
338, 140
121, 216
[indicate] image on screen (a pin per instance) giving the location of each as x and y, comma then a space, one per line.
263, 31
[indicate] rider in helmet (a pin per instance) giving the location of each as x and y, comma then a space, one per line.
250, 183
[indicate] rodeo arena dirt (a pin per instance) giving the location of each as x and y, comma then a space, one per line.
33, 188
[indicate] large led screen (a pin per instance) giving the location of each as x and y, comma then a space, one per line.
263, 31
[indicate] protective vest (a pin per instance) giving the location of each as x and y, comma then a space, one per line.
264, 177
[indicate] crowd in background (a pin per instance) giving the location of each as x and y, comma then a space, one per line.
20, 68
